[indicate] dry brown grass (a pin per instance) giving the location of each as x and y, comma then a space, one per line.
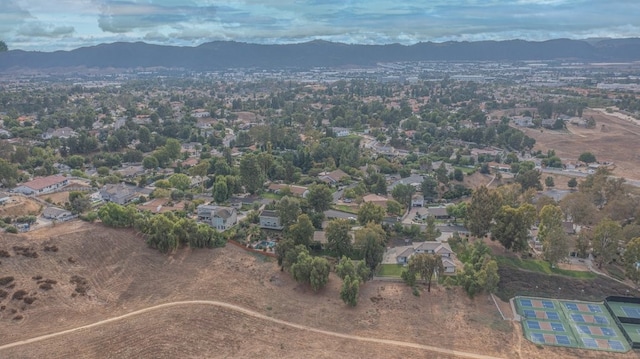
615, 142
20, 206
124, 275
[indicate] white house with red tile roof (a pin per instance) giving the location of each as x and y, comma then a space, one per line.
42, 185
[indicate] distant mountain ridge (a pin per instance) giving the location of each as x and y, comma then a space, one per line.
228, 54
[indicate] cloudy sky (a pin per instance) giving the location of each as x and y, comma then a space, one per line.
48, 25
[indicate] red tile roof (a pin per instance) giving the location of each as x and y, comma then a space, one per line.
43, 182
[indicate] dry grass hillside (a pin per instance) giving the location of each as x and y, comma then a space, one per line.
96, 273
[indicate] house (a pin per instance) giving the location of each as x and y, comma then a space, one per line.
404, 253
270, 220
131, 171
414, 181
333, 176
375, 199
121, 193
439, 248
438, 213
65, 132
298, 191
42, 185
57, 214
218, 217
417, 200
200, 113
341, 131
524, 121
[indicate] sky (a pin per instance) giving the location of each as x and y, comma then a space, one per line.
50, 25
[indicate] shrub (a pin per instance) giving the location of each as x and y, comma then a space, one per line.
12, 229
6, 280
45, 286
19, 294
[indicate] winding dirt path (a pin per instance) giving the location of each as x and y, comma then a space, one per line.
255, 315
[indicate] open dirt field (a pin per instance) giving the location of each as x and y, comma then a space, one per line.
20, 206
613, 140
118, 275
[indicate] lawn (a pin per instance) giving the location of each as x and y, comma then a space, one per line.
465, 170
390, 270
542, 267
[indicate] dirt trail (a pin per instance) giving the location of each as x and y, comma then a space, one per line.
255, 315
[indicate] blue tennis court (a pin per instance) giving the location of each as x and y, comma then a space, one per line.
594, 308
578, 318
547, 304
557, 327
632, 312
526, 303
608, 331
529, 313
563, 340
571, 306
553, 316
583, 329
590, 342
616, 345
537, 338
533, 325
600, 319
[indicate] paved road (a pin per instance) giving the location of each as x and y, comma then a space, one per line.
251, 313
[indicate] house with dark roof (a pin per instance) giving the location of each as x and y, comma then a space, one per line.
333, 176
57, 214
270, 220
218, 217
122, 193
42, 185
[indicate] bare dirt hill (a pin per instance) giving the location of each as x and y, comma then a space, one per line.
97, 273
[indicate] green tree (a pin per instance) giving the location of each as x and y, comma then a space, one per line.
480, 212
370, 212
512, 226
79, 202
346, 267
150, 162
3, 46
371, 240
429, 187
488, 277
301, 232
338, 237
349, 290
572, 183
250, 173
587, 157
555, 243
115, 215
311, 270
402, 193
394, 208
529, 179
426, 266
8, 173
431, 232
606, 237
549, 182
458, 175
457, 211
319, 197
173, 148
220, 190
632, 260
180, 181
288, 210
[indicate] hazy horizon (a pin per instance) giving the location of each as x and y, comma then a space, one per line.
46, 25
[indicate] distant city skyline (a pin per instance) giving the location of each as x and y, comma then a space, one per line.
49, 25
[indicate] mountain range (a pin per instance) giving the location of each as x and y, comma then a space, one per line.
221, 55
